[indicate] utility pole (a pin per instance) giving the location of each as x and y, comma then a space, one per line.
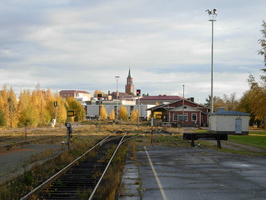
183, 113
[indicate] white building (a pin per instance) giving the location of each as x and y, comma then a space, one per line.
94, 110
79, 95
231, 122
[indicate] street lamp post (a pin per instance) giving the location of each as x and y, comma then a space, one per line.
213, 15
183, 102
116, 117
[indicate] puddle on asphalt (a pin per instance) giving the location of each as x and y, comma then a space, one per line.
238, 164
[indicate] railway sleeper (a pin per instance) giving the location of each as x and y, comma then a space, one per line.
82, 177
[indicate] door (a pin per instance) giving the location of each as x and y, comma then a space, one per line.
238, 126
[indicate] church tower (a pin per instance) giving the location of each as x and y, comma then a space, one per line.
129, 86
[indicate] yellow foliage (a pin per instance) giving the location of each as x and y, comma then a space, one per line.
103, 113
96, 92
123, 113
134, 116
8, 106
112, 115
74, 105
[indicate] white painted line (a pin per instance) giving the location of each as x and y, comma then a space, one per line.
156, 177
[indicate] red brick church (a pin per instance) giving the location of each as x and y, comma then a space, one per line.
129, 88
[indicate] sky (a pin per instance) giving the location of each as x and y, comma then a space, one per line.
84, 44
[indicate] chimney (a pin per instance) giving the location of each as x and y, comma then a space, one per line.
220, 110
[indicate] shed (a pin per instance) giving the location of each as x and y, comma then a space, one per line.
230, 122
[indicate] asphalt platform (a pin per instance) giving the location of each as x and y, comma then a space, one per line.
180, 173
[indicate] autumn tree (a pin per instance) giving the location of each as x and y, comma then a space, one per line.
37, 107
27, 113
2, 118
45, 116
96, 92
53, 107
61, 110
49, 101
228, 102
74, 105
8, 105
5, 104
134, 115
217, 102
123, 114
12, 100
257, 100
112, 115
262, 51
245, 104
231, 103
103, 113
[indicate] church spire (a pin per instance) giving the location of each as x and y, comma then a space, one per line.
129, 88
129, 73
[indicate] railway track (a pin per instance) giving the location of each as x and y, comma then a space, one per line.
82, 176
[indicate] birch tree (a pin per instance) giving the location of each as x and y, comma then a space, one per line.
103, 113
75, 106
123, 113
13, 114
134, 115
262, 51
112, 115
27, 113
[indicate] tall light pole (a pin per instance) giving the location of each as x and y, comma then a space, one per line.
183, 117
117, 77
213, 15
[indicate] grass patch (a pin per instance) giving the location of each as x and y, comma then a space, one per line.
256, 140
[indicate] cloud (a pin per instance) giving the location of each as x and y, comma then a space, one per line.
84, 44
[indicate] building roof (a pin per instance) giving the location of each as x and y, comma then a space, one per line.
168, 107
68, 91
231, 112
186, 108
161, 97
121, 95
221, 111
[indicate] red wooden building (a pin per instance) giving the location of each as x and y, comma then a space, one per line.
181, 113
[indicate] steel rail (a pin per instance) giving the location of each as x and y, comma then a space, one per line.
58, 174
107, 166
131, 138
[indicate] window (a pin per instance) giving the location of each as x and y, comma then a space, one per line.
194, 116
175, 116
185, 117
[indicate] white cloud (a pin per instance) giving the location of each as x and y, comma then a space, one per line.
84, 44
